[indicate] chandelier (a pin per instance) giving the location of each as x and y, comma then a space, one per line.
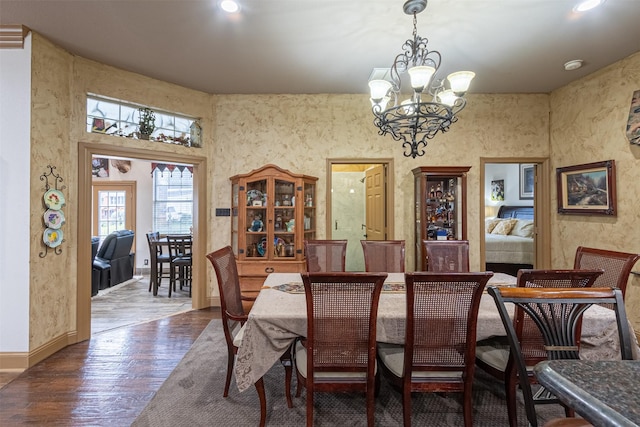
414, 120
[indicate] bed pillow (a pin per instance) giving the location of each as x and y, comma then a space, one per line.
490, 224
504, 227
523, 228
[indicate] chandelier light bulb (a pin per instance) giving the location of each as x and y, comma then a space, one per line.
420, 77
447, 97
460, 81
379, 89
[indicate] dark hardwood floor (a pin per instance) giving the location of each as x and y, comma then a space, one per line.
107, 380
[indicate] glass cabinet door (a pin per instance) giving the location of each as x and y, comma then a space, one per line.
440, 206
309, 211
256, 218
284, 219
235, 189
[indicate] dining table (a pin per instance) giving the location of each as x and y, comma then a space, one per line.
603, 392
279, 316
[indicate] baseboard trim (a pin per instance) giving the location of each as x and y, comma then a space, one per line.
24, 360
13, 361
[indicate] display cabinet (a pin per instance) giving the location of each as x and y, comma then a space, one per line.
440, 206
273, 212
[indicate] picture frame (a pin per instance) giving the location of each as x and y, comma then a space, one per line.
497, 190
527, 181
588, 189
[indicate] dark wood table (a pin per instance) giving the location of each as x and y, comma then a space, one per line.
603, 392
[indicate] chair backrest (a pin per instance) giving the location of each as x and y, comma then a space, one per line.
616, 265
154, 237
341, 321
224, 264
557, 312
447, 256
383, 255
116, 245
531, 343
325, 255
180, 245
442, 314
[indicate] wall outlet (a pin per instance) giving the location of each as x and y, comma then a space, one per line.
146, 262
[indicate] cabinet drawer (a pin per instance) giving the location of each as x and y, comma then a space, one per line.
264, 268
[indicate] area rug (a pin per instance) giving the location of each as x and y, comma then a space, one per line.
192, 396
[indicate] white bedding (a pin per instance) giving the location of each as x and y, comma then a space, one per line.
508, 249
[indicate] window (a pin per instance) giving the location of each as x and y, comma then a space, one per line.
173, 200
119, 118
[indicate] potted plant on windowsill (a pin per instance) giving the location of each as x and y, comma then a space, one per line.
146, 123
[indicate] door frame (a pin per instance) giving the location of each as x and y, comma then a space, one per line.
389, 186
85, 153
541, 207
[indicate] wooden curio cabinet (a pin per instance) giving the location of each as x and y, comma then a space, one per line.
272, 212
441, 206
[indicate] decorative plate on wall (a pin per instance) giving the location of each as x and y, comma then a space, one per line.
54, 199
53, 219
52, 238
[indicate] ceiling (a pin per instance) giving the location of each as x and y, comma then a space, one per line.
331, 46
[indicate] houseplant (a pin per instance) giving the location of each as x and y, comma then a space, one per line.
146, 123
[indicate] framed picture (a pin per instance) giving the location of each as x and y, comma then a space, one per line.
588, 189
497, 190
526, 181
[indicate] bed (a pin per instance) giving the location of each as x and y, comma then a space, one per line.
509, 242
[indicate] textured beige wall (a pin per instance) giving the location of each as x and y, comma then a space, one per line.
52, 286
299, 132
588, 124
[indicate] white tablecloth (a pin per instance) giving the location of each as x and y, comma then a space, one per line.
278, 317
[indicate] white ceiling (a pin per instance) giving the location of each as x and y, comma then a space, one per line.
331, 46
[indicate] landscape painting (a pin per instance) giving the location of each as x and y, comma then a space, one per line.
587, 189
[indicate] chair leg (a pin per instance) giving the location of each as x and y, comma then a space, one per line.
510, 387
371, 406
230, 360
263, 401
286, 361
406, 407
309, 405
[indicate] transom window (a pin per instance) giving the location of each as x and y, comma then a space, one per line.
119, 118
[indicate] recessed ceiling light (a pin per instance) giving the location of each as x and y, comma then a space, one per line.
587, 5
229, 6
573, 64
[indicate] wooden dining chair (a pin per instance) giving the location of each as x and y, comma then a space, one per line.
616, 266
157, 258
325, 255
439, 350
383, 255
339, 351
493, 354
447, 256
556, 314
233, 319
181, 260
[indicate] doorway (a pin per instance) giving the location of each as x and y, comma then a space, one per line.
359, 204
505, 174
86, 151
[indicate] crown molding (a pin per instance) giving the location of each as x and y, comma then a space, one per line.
12, 36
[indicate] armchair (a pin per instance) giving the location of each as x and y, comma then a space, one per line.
114, 261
